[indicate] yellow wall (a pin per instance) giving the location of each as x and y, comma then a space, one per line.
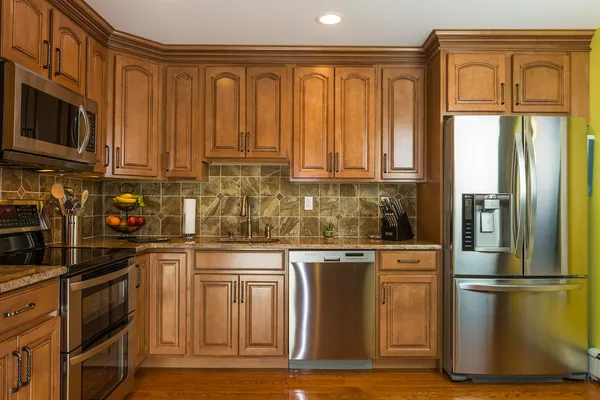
594, 226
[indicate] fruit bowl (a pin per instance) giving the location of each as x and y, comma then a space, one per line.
122, 225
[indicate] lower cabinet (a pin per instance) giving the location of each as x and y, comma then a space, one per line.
408, 315
239, 315
141, 308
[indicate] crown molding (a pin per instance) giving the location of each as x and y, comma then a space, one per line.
80, 12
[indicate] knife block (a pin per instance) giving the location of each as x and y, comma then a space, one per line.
397, 233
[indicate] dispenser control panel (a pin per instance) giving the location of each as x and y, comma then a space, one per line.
468, 212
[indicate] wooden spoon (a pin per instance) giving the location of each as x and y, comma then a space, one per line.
84, 197
59, 194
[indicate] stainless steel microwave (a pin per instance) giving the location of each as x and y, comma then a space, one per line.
45, 125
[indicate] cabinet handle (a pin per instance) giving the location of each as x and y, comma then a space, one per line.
409, 261
107, 155
242, 292
48, 54
241, 144
337, 162
385, 168
28, 307
248, 142
19, 368
383, 298
503, 93
167, 161
330, 162
118, 157
28, 351
518, 94
60, 62
234, 291
139, 282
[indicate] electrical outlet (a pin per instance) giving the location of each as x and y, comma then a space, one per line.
308, 203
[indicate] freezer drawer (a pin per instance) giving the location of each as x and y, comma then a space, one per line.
519, 327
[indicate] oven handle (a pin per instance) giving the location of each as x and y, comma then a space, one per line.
100, 280
101, 347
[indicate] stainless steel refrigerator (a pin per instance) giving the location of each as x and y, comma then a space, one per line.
515, 247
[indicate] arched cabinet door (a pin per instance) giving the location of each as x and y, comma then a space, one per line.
477, 82
69, 55
541, 83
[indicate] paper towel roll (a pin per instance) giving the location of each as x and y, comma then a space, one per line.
189, 217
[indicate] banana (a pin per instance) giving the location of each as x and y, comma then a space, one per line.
123, 200
127, 196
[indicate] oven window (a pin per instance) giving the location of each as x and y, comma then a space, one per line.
105, 371
103, 305
48, 119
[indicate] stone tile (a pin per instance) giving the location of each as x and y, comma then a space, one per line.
231, 206
171, 205
57, 231
349, 206
31, 181
269, 207
329, 206
212, 187
368, 226
30, 195
410, 206
99, 225
309, 189
214, 170
348, 190
348, 227
109, 207
273, 221
329, 189
254, 206
46, 182
368, 190
112, 188
388, 189
11, 179
210, 226
152, 205
270, 170
230, 170
152, 227
9, 196
310, 213
149, 188
368, 207
256, 231
289, 226
288, 188
250, 170
231, 185
87, 229
189, 189
286, 171
63, 180
231, 224
251, 185
289, 206
76, 185
407, 190
170, 188
210, 207
96, 205
269, 186
170, 226
309, 226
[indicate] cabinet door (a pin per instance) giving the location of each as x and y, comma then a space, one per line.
313, 122
216, 314
40, 347
68, 40
477, 82
225, 112
96, 87
183, 133
266, 116
541, 83
141, 307
261, 315
354, 123
403, 123
408, 321
26, 34
136, 126
168, 308
8, 378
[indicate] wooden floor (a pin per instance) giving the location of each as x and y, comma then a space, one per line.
279, 384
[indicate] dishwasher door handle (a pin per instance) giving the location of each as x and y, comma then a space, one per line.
332, 259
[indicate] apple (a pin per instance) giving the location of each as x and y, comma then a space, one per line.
141, 220
132, 221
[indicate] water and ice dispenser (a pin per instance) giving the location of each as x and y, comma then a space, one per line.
487, 222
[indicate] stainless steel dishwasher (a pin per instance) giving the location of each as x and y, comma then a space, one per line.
332, 306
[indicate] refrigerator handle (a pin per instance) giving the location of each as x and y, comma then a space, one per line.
522, 195
487, 287
532, 183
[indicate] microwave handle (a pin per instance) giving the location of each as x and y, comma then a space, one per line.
83, 113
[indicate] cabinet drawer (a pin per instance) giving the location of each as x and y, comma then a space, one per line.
32, 303
408, 260
256, 260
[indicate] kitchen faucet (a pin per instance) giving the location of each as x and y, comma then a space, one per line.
246, 213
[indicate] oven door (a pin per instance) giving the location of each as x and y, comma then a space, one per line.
104, 367
95, 301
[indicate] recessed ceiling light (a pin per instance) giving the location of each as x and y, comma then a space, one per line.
329, 19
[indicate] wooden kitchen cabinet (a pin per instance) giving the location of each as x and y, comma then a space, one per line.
96, 87
403, 123
477, 82
26, 34
216, 314
136, 117
182, 155
408, 316
168, 304
541, 82
8, 379
142, 309
68, 40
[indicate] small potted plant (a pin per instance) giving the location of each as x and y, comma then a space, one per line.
328, 232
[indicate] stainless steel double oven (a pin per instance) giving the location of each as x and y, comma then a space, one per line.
98, 331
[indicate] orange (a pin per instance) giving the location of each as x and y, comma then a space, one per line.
112, 220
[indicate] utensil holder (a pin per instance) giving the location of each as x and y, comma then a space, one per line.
403, 231
72, 230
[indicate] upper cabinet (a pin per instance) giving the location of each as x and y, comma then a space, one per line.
68, 40
96, 87
403, 123
541, 82
334, 135
246, 112
136, 117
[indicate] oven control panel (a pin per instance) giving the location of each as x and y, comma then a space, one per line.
14, 216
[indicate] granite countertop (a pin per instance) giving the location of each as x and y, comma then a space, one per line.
286, 244
17, 276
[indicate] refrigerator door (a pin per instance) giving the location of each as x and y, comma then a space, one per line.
556, 234
519, 326
486, 158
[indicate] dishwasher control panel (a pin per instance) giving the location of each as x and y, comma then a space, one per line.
316, 256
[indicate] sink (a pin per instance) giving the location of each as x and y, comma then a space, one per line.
247, 240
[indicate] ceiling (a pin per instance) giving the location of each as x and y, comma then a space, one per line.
365, 23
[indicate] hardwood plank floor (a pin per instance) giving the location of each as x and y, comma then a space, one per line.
183, 384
